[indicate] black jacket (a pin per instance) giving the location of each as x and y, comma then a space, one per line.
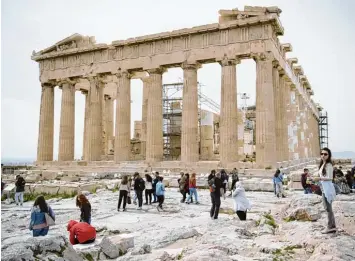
139, 184
85, 212
154, 183
218, 185
20, 184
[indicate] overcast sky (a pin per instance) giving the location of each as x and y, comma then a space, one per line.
320, 31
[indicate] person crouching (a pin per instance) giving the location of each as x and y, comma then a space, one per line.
81, 232
241, 203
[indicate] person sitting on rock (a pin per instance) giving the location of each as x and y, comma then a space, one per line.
148, 189
81, 232
349, 179
160, 191
85, 207
38, 223
306, 186
241, 203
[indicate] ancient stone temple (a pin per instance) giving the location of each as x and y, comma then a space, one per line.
286, 117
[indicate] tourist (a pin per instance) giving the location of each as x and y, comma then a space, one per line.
124, 189
341, 182
212, 175
216, 186
192, 189
325, 173
306, 186
187, 186
2, 186
224, 178
349, 179
85, 208
148, 189
160, 191
155, 181
235, 179
20, 189
81, 232
279, 183
241, 203
182, 186
38, 223
139, 187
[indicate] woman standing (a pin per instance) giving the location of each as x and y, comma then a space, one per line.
278, 183
124, 189
192, 188
241, 203
38, 223
148, 189
85, 207
325, 173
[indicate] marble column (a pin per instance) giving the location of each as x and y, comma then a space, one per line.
46, 124
228, 146
265, 112
300, 129
189, 126
293, 120
146, 83
108, 122
94, 131
67, 122
154, 149
278, 109
86, 123
285, 115
123, 118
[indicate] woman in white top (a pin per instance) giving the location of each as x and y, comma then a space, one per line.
124, 193
325, 176
148, 189
241, 203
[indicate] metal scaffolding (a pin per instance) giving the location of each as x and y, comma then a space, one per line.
172, 116
323, 129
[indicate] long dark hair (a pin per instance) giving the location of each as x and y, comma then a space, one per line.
277, 173
124, 180
329, 160
41, 203
80, 200
148, 177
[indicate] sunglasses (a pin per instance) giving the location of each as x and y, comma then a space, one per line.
324, 154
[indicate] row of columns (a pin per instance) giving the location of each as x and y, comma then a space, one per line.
274, 109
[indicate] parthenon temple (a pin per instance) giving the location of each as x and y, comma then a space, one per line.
286, 117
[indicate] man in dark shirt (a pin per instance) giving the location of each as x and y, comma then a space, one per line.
139, 188
155, 181
20, 189
215, 189
307, 187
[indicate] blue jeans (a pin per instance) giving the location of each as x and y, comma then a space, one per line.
308, 190
19, 196
193, 191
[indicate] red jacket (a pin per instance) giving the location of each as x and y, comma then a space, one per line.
81, 231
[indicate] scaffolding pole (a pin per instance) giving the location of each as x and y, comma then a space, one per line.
323, 129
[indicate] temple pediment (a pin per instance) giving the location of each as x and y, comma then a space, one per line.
72, 42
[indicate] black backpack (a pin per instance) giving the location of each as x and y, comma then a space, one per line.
141, 184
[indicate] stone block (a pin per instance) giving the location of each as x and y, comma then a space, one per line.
294, 185
115, 246
295, 176
49, 175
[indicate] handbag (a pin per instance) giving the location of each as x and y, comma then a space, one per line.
49, 220
129, 201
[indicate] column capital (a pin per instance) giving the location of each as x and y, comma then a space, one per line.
125, 74
262, 56
49, 84
85, 92
146, 79
190, 66
71, 81
229, 61
159, 70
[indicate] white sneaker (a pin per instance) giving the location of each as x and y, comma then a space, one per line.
139, 208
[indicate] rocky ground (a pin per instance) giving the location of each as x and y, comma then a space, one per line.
275, 230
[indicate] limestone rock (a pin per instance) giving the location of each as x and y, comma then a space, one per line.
304, 208
145, 249
304, 214
115, 246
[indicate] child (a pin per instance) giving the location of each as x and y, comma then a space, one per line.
160, 189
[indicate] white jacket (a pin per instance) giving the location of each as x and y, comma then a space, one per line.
240, 201
148, 185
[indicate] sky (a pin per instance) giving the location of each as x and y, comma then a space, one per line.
320, 31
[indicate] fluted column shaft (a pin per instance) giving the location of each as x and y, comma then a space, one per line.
228, 146
46, 124
123, 118
265, 113
293, 122
86, 125
94, 142
300, 127
278, 114
189, 126
108, 121
154, 149
146, 82
67, 122
286, 93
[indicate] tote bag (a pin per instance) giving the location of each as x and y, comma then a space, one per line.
49, 220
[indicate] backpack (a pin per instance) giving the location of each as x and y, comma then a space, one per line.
212, 185
141, 184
